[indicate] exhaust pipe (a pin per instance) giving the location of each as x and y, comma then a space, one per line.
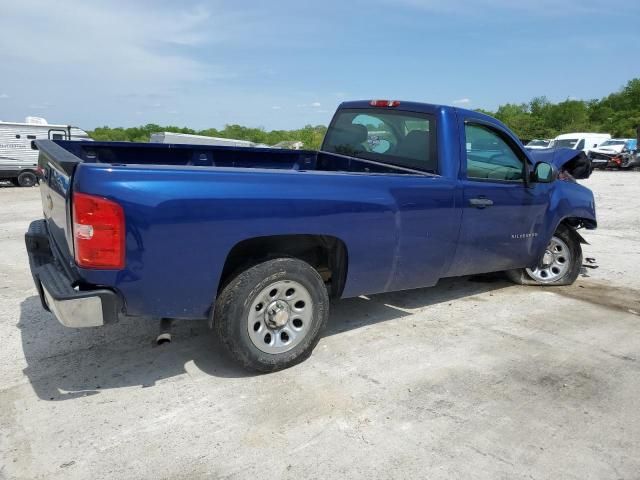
164, 336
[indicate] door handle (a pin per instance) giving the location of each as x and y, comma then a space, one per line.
480, 202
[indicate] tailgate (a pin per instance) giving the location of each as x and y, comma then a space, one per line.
57, 166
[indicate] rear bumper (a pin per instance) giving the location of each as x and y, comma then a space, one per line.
73, 307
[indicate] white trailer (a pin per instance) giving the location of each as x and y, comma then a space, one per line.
186, 139
18, 161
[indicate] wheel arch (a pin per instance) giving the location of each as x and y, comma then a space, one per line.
574, 223
326, 253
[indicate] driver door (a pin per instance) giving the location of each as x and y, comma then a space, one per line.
502, 216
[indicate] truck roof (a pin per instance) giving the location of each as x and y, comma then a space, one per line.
402, 105
421, 107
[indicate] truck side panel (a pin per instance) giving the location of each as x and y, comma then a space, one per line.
181, 224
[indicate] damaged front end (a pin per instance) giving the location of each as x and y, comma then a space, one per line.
603, 160
572, 163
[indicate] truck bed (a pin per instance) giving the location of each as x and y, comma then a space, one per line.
124, 153
188, 206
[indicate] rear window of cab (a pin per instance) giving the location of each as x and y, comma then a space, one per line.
403, 139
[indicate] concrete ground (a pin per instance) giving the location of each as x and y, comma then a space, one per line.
474, 378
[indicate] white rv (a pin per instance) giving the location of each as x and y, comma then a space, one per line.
18, 161
580, 141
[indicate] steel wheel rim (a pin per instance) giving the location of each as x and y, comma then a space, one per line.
555, 262
280, 317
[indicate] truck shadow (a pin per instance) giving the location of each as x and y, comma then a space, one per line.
63, 364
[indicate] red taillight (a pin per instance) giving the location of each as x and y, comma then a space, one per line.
98, 232
384, 103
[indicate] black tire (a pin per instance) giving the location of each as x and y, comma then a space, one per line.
235, 302
27, 179
15, 182
569, 237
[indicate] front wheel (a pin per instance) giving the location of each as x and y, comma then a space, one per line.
271, 315
560, 263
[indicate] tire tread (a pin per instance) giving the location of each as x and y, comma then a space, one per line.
228, 316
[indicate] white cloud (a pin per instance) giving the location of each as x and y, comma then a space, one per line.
109, 57
41, 106
309, 105
462, 101
3, 96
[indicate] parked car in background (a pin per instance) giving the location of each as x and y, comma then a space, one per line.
539, 144
580, 141
614, 153
257, 240
631, 162
18, 161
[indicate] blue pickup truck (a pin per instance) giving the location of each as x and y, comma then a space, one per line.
258, 240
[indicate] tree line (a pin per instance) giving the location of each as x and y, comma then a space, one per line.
311, 135
617, 114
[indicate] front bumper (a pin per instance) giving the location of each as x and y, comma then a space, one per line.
600, 160
72, 306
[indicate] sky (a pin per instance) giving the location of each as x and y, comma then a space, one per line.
286, 64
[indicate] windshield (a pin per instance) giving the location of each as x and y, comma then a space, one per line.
566, 143
404, 139
538, 143
612, 142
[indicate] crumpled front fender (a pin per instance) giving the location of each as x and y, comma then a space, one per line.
574, 162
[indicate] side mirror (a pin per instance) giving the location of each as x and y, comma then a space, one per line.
543, 173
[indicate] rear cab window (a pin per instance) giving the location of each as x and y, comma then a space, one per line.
404, 139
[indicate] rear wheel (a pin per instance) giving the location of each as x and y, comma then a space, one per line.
560, 263
27, 179
271, 315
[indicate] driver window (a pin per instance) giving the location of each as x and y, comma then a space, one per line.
489, 157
